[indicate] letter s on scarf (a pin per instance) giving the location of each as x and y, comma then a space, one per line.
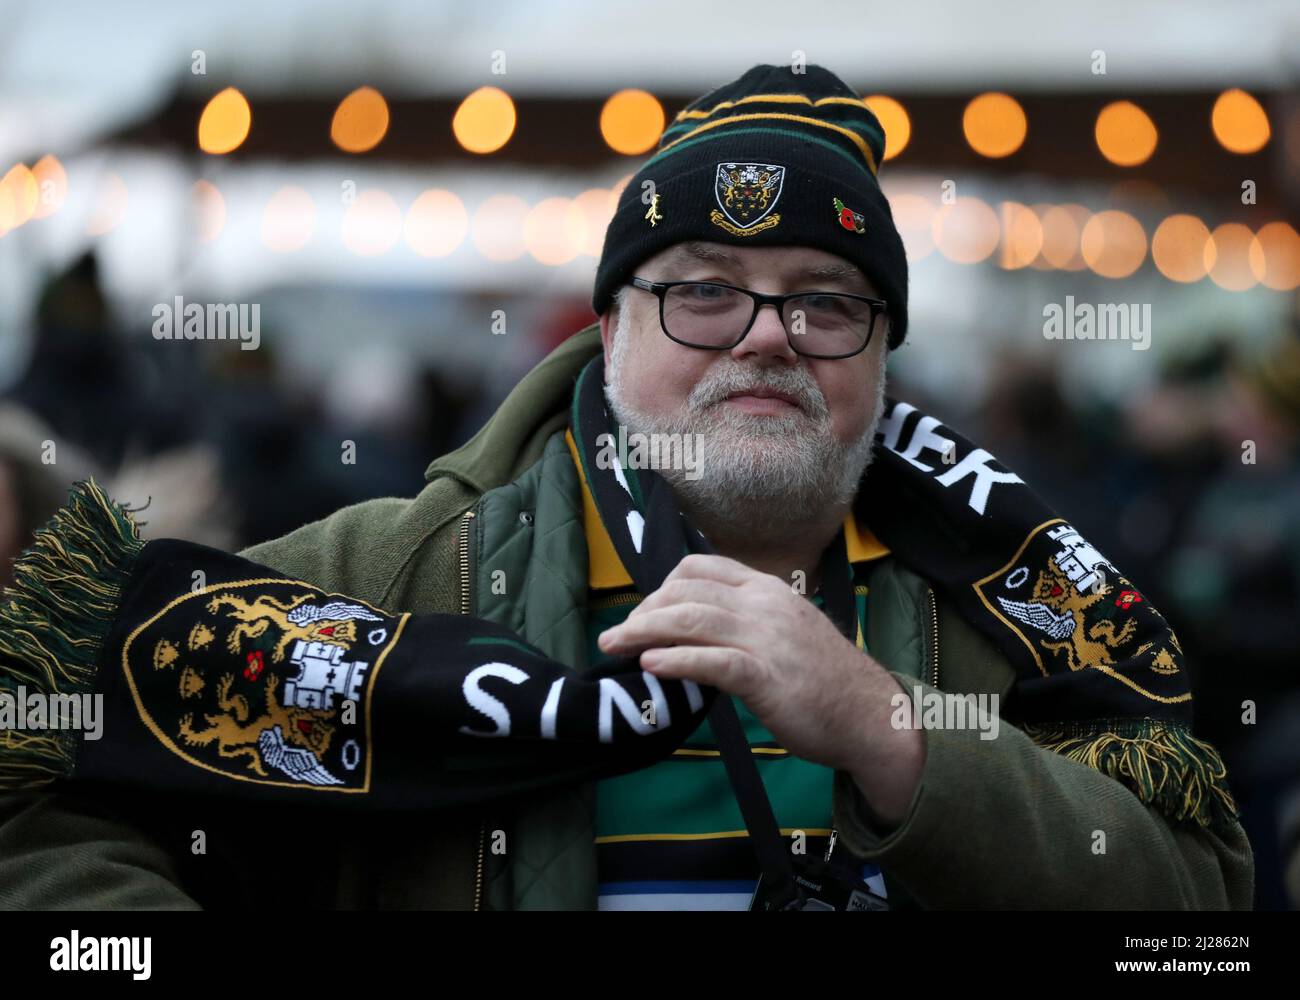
479, 699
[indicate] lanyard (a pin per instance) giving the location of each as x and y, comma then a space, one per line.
651, 534
755, 807
666, 537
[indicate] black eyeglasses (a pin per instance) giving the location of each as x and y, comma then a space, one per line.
714, 316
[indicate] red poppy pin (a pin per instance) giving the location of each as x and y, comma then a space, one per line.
255, 665
854, 222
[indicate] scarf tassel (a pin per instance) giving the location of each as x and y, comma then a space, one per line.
54, 618
1164, 765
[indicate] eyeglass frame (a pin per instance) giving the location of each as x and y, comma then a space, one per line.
659, 289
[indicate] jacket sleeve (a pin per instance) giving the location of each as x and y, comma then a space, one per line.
1005, 824
353, 550
70, 852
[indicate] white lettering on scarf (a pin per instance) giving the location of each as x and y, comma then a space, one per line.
924, 438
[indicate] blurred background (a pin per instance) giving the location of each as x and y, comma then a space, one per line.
405, 201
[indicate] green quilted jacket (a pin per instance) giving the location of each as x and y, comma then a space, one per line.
1001, 823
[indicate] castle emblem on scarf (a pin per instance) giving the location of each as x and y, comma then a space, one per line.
272, 685
854, 222
1059, 597
746, 194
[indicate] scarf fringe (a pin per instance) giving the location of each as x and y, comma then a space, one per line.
54, 619
1163, 764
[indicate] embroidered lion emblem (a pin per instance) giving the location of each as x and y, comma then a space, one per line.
334, 622
261, 680
746, 194
1060, 611
288, 726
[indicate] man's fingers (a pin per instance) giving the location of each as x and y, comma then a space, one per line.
689, 624
720, 666
686, 590
701, 567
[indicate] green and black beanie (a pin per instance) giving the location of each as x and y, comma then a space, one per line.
775, 158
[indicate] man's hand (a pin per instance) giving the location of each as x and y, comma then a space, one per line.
716, 621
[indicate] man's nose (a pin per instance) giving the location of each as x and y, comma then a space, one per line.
766, 340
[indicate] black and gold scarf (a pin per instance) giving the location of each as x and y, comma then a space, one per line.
219, 675
215, 674
1100, 674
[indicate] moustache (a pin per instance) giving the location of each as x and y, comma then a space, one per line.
797, 382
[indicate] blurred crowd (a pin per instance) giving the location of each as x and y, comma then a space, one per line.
222, 448
1193, 487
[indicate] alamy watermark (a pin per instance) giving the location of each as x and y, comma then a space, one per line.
20, 709
1105, 321
651, 451
181, 320
75, 953
945, 710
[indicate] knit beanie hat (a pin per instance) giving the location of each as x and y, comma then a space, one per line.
775, 158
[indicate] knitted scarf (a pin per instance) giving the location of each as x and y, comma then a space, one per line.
1100, 676
220, 675
216, 674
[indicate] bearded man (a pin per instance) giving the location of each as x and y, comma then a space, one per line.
834, 565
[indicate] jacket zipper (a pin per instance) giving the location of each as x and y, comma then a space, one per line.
463, 547
934, 638
465, 520
614, 601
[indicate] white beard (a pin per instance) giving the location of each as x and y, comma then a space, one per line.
759, 477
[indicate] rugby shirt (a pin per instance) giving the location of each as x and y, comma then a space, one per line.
670, 836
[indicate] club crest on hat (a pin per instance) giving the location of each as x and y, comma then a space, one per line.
281, 717
746, 194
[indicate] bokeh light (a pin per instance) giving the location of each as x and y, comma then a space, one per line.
554, 231
289, 220
6, 210
111, 200
52, 180
1239, 122
498, 227
360, 121
1022, 235
209, 210
485, 120
1181, 248
1062, 233
436, 223
225, 122
1236, 261
631, 122
596, 206
1113, 244
914, 219
1125, 134
995, 125
966, 231
24, 195
372, 224
1281, 246
894, 120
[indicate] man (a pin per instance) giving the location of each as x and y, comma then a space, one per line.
762, 193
